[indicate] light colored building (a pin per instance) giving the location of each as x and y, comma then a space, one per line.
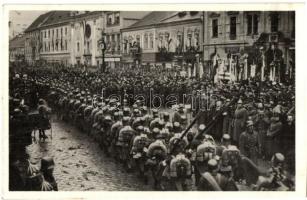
115, 21
244, 44
55, 38
17, 49
33, 40
85, 33
167, 39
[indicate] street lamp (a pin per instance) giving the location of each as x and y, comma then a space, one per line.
102, 44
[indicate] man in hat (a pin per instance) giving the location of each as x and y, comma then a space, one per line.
240, 117
261, 125
44, 123
249, 142
179, 113
212, 180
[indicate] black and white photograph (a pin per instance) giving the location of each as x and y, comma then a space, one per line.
123, 100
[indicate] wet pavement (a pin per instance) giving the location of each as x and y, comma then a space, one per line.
80, 163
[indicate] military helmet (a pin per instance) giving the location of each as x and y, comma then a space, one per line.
140, 128
201, 127
212, 164
278, 159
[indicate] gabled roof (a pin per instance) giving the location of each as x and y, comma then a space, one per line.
151, 19
38, 21
57, 17
17, 42
133, 14
163, 17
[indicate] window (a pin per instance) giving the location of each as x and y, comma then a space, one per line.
65, 44
252, 24
274, 22
52, 33
117, 19
151, 41
118, 42
57, 33
45, 34
110, 21
146, 41
113, 38
138, 40
233, 28
215, 28
255, 24
78, 46
48, 33
61, 32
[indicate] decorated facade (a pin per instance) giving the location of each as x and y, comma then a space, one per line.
242, 45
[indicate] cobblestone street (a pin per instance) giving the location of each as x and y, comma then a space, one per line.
80, 163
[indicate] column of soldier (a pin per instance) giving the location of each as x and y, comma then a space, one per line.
155, 144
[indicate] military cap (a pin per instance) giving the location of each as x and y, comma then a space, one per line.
226, 137
201, 127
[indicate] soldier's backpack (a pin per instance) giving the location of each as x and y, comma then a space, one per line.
180, 166
205, 151
157, 149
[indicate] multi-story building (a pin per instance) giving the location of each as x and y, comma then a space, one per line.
32, 43
115, 21
85, 33
167, 39
246, 44
17, 49
55, 37
73, 37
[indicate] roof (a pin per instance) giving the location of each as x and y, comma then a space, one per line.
38, 21
57, 17
17, 42
163, 17
152, 19
133, 14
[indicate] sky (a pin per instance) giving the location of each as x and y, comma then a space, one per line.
20, 20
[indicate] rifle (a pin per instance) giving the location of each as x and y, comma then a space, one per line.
215, 117
210, 124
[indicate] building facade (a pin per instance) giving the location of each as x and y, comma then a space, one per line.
85, 32
165, 39
115, 21
17, 49
55, 38
249, 44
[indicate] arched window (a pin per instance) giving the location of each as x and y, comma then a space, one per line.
151, 41
146, 41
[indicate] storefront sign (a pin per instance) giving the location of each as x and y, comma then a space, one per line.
112, 59
233, 50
